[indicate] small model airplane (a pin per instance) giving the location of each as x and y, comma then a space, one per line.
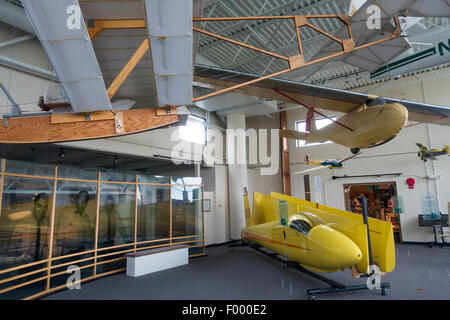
425, 153
330, 163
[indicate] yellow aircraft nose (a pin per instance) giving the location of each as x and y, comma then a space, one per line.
339, 251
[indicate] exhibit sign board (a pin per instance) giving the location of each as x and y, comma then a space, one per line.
430, 208
283, 210
397, 205
248, 211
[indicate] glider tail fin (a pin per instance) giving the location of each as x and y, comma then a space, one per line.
446, 149
294, 134
310, 125
248, 211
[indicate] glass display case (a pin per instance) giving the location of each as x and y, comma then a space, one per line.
56, 218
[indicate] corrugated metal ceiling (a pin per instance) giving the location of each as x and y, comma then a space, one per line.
279, 36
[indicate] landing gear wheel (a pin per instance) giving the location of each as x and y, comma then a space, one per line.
355, 150
312, 297
384, 292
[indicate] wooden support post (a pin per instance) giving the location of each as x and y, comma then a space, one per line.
136, 199
131, 64
52, 230
286, 169
2, 182
97, 218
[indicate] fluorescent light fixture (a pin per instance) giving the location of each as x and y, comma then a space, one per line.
60, 27
170, 34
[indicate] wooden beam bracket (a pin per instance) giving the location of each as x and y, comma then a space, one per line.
300, 21
296, 61
348, 45
166, 111
118, 118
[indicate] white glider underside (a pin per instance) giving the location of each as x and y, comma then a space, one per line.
71, 54
311, 170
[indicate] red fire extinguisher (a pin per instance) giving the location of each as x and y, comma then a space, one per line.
410, 182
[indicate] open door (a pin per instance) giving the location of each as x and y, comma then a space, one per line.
379, 197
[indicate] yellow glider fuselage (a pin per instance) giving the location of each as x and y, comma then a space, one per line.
322, 249
370, 126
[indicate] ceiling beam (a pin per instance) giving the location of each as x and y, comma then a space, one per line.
244, 30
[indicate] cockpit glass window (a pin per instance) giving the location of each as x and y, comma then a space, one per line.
300, 226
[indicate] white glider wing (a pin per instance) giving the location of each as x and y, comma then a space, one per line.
60, 27
311, 170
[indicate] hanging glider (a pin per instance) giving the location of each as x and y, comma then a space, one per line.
368, 121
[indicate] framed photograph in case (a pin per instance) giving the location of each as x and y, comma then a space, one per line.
207, 205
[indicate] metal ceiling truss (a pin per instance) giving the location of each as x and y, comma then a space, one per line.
296, 61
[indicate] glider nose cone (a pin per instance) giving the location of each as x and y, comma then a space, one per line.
352, 254
400, 113
341, 251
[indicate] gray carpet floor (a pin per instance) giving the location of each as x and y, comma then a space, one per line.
245, 274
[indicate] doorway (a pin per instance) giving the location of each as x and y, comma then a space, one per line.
379, 202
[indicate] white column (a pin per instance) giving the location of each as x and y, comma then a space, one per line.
237, 175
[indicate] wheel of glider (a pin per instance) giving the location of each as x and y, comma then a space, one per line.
355, 150
312, 297
384, 292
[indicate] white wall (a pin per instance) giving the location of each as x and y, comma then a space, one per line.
399, 155
256, 181
24, 88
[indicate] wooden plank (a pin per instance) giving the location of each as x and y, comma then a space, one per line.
123, 24
123, 75
40, 129
81, 117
